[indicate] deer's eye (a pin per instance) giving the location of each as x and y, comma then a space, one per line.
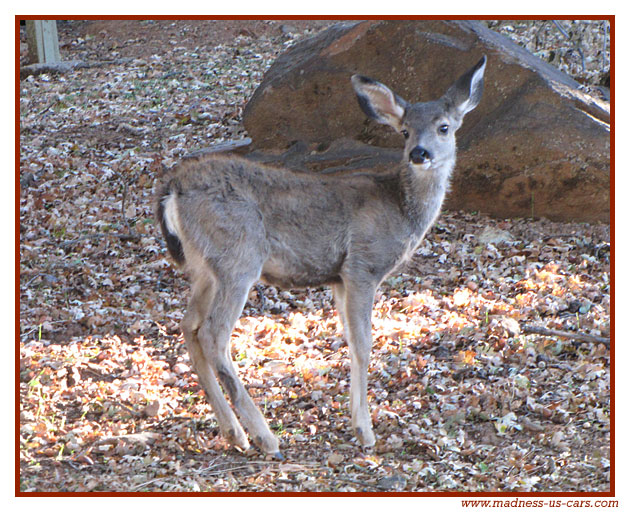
443, 129
405, 134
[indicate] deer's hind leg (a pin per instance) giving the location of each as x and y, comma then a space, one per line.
203, 291
227, 302
339, 297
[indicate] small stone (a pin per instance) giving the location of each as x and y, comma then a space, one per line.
584, 307
334, 459
152, 409
287, 29
492, 235
393, 483
181, 368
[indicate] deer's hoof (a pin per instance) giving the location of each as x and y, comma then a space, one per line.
365, 437
269, 445
237, 438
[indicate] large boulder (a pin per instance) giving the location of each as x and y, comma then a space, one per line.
536, 145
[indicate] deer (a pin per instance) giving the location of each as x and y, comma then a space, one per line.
230, 222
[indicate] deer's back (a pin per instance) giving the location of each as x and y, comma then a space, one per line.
303, 226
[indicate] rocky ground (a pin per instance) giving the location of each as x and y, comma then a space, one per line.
467, 392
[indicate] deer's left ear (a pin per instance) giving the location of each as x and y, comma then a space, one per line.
465, 94
379, 102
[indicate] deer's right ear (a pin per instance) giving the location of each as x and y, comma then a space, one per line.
379, 102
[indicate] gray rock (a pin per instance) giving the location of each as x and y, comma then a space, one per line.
393, 483
536, 145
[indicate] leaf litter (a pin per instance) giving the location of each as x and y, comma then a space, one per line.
463, 396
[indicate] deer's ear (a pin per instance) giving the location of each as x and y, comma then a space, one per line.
465, 94
379, 102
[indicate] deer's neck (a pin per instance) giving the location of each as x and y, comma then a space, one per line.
422, 195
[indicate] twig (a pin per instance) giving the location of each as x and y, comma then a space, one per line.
147, 483
123, 236
50, 105
172, 417
562, 31
31, 280
605, 60
578, 336
25, 334
144, 438
124, 201
126, 408
196, 434
358, 482
575, 44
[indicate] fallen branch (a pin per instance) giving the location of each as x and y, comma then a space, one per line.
578, 336
143, 438
355, 481
122, 236
66, 66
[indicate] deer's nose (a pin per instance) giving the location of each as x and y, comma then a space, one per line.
419, 155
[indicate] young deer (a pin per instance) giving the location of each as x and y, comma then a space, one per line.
231, 222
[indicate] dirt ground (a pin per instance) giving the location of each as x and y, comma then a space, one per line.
133, 38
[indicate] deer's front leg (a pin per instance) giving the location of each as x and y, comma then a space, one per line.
359, 299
